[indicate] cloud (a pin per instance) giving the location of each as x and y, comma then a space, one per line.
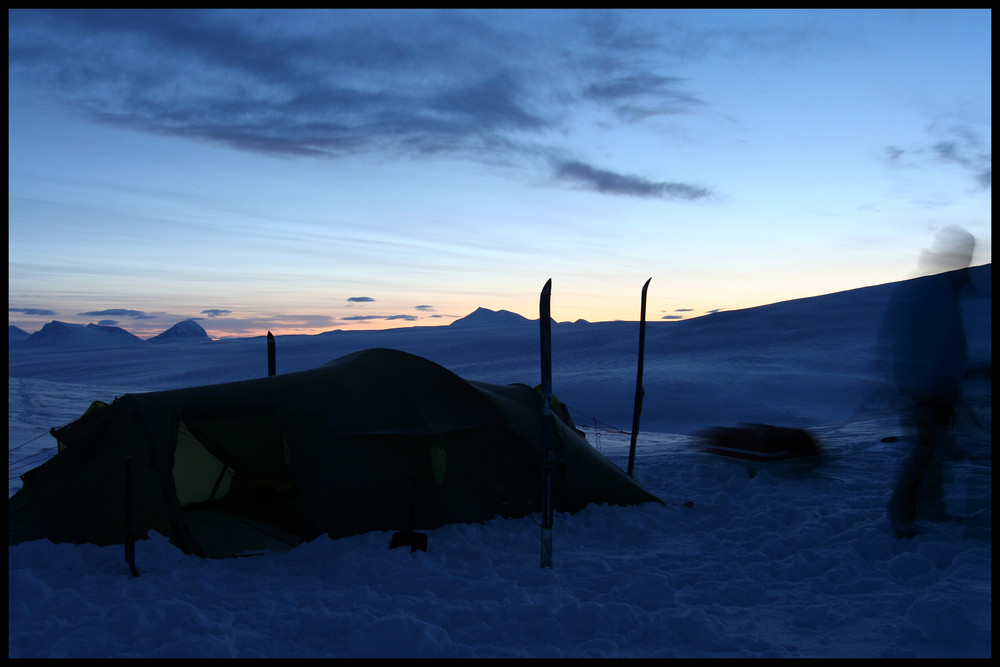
310, 83
969, 152
362, 318
894, 154
676, 317
360, 299
119, 312
32, 311
216, 312
344, 83
609, 182
955, 144
424, 308
286, 323
640, 95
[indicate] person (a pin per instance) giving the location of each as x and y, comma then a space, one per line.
923, 327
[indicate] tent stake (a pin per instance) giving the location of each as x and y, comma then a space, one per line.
548, 428
407, 537
129, 535
639, 391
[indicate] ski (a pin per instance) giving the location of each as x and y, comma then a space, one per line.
548, 428
129, 533
639, 391
271, 363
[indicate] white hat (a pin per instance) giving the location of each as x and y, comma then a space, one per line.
951, 250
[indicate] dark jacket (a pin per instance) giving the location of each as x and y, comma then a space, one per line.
925, 334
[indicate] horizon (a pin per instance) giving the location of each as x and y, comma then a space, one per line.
149, 333
311, 170
146, 334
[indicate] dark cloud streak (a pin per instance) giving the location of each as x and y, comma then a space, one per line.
119, 312
332, 84
608, 182
32, 311
969, 153
956, 144
362, 318
641, 95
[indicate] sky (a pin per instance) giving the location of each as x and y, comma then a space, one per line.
302, 171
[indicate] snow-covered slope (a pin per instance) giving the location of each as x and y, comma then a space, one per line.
188, 331
737, 563
796, 363
57, 334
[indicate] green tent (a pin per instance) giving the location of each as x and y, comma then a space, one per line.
362, 443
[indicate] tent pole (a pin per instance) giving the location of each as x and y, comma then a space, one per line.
639, 391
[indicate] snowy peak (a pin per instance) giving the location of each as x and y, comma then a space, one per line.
16, 335
484, 317
64, 334
57, 333
188, 331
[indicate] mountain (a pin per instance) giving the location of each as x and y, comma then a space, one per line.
188, 331
16, 335
64, 334
484, 317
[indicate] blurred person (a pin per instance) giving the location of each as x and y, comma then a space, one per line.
924, 330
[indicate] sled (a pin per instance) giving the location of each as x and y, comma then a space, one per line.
762, 445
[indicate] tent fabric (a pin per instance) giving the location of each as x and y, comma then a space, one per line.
359, 444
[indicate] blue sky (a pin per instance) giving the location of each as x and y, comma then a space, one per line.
303, 171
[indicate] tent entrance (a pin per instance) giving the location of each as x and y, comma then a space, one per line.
220, 533
228, 508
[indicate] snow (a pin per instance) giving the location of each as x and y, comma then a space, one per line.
737, 562
186, 331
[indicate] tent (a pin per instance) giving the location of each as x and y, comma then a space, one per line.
372, 441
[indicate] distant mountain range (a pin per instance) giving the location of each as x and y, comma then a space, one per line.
64, 334
484, 317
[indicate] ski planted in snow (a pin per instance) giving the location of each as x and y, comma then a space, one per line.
639, 391
129, 532
271, 363
548, 427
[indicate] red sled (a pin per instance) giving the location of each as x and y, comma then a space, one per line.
760, 443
